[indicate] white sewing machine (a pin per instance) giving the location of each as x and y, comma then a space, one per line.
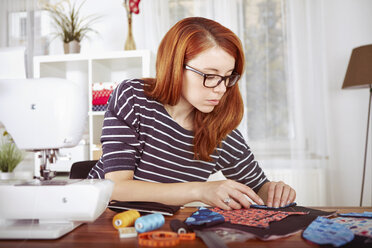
45, 115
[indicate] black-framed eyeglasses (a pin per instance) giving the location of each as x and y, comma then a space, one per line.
213, 80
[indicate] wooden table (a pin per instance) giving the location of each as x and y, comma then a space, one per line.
102, 234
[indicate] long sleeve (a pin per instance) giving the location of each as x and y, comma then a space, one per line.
237, 162
120, 132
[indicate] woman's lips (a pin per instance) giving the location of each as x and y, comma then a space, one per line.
213, 102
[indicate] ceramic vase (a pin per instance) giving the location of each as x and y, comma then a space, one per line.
6, 175
71, 47
129, 43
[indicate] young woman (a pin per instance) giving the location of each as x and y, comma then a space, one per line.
163, 137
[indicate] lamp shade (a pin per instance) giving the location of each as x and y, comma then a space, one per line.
359, 71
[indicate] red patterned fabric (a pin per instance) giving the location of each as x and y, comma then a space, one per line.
254, 217
101, 92
100, 97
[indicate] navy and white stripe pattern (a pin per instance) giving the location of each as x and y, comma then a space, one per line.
138, 134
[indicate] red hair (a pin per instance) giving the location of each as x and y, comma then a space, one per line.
183, 42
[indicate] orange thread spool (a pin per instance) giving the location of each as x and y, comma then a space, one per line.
125, 219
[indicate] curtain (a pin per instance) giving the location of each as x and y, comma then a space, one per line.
283, 85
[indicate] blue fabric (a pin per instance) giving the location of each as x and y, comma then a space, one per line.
204, 216
266, 207
364, 215
324, 231
99, 107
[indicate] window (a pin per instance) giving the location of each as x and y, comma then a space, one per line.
23, 25
266, 99
17, 28
267, 124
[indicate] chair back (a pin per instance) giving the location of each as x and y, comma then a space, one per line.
81, 169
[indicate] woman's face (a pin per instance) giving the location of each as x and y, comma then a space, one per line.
212, 61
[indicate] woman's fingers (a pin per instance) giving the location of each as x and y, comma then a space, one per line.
223, 205
243, 192
285, 195
228, 203
234, 204
278, 194
241, 198
228, 194
292, 196
270, 194
235, 195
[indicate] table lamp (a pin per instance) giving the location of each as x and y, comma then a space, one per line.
359, 75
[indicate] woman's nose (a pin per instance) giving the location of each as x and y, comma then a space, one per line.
221, 87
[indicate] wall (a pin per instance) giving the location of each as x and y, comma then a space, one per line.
347, 25
112, 26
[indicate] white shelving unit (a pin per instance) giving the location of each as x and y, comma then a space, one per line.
93, 68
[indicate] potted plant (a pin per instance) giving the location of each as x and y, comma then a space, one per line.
69, 25
10, 156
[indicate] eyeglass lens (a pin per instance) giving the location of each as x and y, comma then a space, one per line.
214, 80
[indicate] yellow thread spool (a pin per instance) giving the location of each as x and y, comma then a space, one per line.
125, 219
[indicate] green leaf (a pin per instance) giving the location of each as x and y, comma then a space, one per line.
69, 24
10, 156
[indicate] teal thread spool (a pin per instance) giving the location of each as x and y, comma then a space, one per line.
149, 222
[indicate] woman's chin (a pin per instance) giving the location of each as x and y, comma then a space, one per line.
206, 109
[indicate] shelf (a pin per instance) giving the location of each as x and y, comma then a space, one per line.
111, 66
92, 56
96, 148
116, 69
96, 113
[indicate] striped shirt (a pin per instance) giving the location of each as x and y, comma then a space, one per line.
138, 134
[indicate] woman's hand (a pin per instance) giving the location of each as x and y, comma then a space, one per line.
277, 194
228, 195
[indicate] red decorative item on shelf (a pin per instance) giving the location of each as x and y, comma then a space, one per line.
100, 97
133, 6
100, 94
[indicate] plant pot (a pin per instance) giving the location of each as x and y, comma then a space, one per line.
71, 47
6, 175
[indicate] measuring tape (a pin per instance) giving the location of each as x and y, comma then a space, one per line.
158, 238
125, 219
163, 238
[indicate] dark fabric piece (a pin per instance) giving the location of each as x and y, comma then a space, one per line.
357, 242
143, 207
286, 226
311, 211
